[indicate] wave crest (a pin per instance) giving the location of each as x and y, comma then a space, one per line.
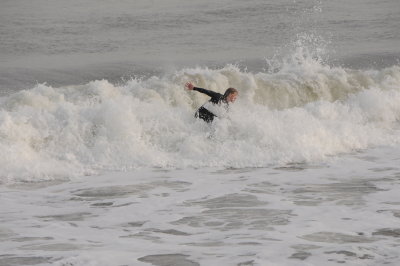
301, 112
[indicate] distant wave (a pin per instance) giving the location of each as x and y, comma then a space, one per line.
303, 111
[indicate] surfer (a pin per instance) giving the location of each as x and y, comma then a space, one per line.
208, 111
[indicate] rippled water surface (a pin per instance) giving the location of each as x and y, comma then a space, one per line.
321, 214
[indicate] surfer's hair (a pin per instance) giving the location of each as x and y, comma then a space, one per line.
230, 91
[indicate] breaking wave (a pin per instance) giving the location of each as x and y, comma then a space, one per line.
303, 111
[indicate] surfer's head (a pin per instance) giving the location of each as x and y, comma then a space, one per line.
230, 95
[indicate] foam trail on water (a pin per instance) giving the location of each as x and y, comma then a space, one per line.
303, 112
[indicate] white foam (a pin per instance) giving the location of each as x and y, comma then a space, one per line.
344, 210
304, 112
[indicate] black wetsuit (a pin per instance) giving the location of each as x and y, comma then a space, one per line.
216, 98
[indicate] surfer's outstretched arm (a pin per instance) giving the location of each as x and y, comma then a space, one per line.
212, 94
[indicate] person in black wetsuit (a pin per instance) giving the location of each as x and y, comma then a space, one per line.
229, 96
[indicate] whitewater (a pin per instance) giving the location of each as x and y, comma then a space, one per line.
103, 163
303, 168
304, 113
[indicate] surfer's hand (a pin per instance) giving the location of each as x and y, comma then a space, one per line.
189, 86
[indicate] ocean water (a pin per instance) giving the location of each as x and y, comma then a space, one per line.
103, 163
